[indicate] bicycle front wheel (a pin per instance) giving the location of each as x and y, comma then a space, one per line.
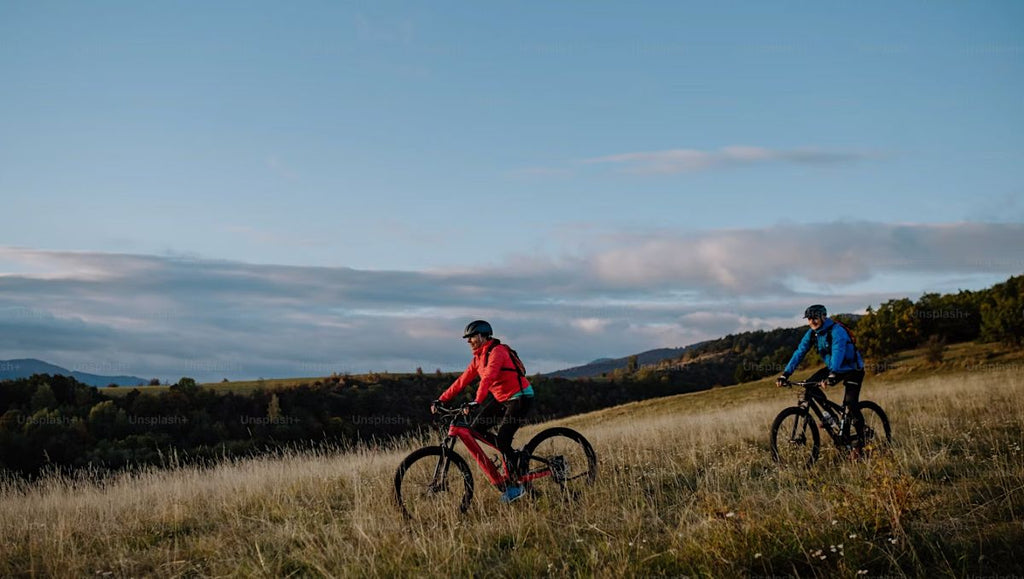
564, 457
432, 483
795, 438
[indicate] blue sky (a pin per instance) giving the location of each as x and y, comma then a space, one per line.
599, 179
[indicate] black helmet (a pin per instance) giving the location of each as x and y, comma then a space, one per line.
815, 311
478, 327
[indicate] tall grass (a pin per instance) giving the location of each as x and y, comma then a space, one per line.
686, 487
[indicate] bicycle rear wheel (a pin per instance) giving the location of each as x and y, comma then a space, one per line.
874, 434
432, 483
565, 457
795, 439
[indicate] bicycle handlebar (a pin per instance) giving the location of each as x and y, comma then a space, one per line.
448, 411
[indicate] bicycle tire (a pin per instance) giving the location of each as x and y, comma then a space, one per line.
868, 440
569, 456
420, 496
794, 423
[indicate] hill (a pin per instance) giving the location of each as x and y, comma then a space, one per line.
604, 366
685, 487
24, 368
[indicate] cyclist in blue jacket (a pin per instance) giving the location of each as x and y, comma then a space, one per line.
843, 363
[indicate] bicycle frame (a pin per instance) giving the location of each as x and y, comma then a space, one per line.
813, 398
459, 430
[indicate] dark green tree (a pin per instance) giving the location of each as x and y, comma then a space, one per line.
1002, 312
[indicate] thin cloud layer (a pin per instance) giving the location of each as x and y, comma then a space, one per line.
690, 160
756, 262
169, 317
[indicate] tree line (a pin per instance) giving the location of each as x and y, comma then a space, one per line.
933, 321
55, 422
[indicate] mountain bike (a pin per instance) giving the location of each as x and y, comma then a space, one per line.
435, 481
795, 438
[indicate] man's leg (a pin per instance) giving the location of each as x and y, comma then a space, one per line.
515, 411
818, 377
487, 418
851, 401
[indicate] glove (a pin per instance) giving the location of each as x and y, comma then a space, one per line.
781, 380
469, 407
434, 405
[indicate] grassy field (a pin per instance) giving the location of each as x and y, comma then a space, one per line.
686, 488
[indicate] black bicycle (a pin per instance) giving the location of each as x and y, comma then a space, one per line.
435, 481
795, 434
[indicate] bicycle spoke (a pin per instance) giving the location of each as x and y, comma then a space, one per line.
430, 485
566, 456
794, 438
872, 435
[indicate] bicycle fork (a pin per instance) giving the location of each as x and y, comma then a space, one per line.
440, 480
799, 432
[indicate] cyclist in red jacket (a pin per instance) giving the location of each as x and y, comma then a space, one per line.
503, 376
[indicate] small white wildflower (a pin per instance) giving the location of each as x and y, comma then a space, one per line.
862, 572
840, 545
853, 535
823, 557
834, 522
730, 514
757, 555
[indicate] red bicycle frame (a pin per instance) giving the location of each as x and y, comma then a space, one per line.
472, 440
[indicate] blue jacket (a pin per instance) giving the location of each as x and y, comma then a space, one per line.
843, 357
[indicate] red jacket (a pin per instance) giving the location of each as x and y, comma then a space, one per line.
498, 377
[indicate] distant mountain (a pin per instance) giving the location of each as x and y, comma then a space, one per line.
605, 365
14, 369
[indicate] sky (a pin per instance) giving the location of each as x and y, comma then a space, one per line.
265, 189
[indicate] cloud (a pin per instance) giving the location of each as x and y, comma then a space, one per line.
691, 160
759, 261
169, 317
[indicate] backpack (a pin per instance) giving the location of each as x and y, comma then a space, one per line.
853, 340
517, 365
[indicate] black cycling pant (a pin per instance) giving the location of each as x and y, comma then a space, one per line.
852, 381
506, 417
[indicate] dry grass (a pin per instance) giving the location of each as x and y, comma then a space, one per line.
686, 487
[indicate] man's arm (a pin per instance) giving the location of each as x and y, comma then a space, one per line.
467, 377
